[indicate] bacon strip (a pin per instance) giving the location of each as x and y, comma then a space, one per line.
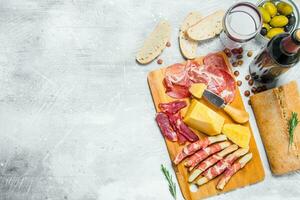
165, 126
195, 159
221, 166
232, 170
172, 107
211, 161
194, 147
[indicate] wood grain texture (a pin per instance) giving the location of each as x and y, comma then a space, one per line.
251, 174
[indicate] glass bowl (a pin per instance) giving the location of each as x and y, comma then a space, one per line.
264, 39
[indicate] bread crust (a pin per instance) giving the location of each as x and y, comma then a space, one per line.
272, 110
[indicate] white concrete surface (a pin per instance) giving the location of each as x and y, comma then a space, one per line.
76, 115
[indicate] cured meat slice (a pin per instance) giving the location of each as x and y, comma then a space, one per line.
221, 166
214, 73
182, 128
211, 161
204, 153
177, 74
181, 139
165, 126
172, 107
194, 147
230, 171
215, 60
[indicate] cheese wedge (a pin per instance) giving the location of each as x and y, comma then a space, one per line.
197, 89
204, 119
238, 134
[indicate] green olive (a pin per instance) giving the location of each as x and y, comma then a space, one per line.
265, 15
270, 8
267, 26
284, 8
274, 31
279, 21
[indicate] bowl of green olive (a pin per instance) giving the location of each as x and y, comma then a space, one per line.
278, 16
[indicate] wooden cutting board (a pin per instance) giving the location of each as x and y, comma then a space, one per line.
253, 171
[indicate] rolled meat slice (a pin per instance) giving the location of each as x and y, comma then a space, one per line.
165, 126
232, 170
211, 161
194, 147
172, 107
221, 166
195, 159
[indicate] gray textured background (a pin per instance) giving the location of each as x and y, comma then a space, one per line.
76, 115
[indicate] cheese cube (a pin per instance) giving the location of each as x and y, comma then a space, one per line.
204, 119
197, 89
238, 134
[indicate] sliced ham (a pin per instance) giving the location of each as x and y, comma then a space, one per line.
194, 147
230, 171
165, 126
195, 159
221, 166
214, 73
172, 107
211, 161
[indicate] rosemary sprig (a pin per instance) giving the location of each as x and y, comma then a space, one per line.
168, 176
293, 122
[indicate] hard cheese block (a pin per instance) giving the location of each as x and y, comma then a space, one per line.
238, 134
272, 110
204, 119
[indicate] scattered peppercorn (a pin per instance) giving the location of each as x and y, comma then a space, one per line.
250, 53
247, 77
159, 61
239, 83
250, 82
240, 62
226, 50
240, 50
235, 51
259, 89
240, 56
254, 90
168, 44
247, 93
234, 64
236, 73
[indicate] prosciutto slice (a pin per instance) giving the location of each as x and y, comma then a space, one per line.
230, 171
211, 161
194, 147
221, 166
214, 73
165, 126
204, 153
172, 107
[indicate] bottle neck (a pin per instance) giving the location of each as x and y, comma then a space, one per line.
290, 45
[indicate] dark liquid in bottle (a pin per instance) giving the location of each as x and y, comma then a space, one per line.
272, 61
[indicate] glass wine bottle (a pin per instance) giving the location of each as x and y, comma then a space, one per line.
281, 53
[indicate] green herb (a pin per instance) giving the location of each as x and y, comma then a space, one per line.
293, 122
168, 176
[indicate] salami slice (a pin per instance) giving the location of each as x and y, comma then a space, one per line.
165, 126
215, 60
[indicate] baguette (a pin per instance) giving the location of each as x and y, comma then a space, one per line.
188, 47
208, 27
155, 43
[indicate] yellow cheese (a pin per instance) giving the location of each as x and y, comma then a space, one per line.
204, 119
238, 134
197, 89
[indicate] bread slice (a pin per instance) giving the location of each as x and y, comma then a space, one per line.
155, 43
272, 110
188, 46
208, 27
